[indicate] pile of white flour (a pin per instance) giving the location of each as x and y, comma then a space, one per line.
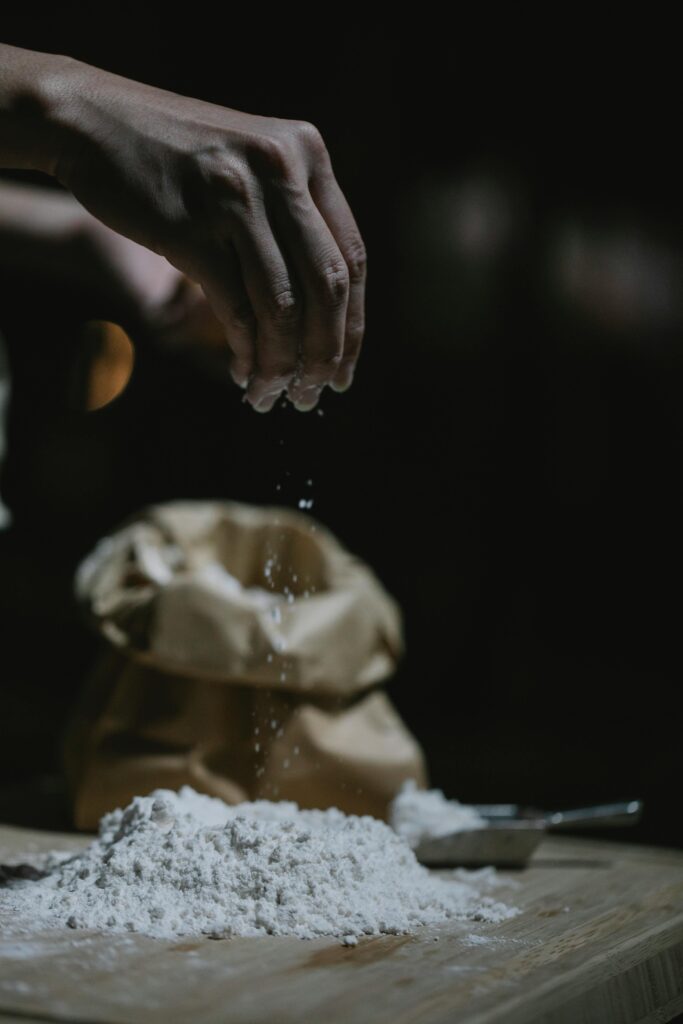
174, 864
418, 814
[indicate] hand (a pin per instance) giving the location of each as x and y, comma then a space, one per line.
139, 287
246, 206
49, 232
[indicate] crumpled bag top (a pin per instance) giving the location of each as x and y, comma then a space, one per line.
226, 591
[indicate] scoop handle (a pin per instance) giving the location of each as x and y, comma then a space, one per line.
612, 815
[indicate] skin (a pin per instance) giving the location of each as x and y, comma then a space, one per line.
246, 206
48, 231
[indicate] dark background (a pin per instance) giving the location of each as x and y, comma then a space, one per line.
509, 458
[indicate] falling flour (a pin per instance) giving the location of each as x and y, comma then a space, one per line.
174, 864
418, 814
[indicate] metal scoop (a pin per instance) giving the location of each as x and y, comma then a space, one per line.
511, 833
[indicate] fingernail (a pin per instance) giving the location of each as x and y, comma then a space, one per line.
240, 379
263, 404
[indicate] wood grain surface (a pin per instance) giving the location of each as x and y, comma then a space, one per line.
599, 941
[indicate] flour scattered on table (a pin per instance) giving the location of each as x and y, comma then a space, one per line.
181, 863
477, 940
486, 879
418, 814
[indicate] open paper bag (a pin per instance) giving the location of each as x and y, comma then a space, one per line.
244, 648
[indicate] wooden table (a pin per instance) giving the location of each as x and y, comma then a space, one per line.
600, 940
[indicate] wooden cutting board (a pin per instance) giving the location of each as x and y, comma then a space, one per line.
599, 941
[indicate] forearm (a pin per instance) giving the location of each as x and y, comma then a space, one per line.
246, 206
34, 91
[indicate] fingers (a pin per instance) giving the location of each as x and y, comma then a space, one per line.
277, 308
306, 289
288, 279
336, 212
312, 262
324, 282
221, 279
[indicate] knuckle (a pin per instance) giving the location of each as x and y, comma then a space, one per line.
284, 307
213, 183
356, 260
275, 156
231, 184
355, 329
334, 285
309, 136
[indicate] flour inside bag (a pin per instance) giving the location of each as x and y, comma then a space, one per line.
243, 654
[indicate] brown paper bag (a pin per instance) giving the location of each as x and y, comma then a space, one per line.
244, 647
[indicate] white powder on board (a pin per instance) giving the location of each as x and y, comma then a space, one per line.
174, 864
418, 814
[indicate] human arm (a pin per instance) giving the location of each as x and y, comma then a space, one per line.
245, 205
46, 231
